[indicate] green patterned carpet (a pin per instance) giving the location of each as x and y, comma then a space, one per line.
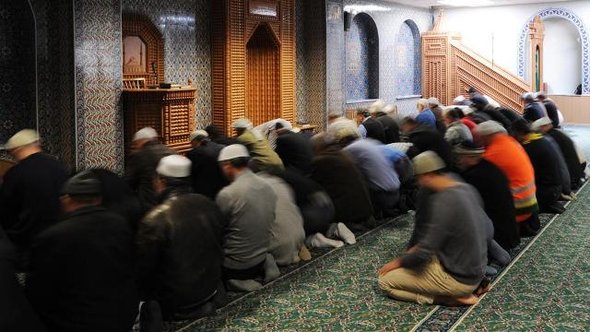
337, 292
547, 288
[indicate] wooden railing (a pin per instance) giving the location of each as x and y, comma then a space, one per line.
475, 71
449, 69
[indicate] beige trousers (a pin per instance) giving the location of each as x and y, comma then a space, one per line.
422, 287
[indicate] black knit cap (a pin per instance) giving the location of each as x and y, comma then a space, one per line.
83, 183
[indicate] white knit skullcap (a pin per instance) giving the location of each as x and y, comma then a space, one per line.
174, 166
540, 123
232, 152
145, 133
489, 127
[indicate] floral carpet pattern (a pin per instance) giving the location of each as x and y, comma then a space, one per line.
547, 288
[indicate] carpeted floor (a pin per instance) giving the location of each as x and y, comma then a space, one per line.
546, 288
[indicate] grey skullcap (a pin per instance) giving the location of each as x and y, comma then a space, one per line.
433, 101
377, 106
489, 127
83, 183
174, 166
200, 134
22, 138
426, 162
540, 123
469, 148
242, 123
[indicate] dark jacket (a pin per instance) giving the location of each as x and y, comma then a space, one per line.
425, 138
17, 312
533, 111
390, 128
118, 197
495, 114
344, 183
141, 170
82, 273
568, 149
552, 113
546, 165
493, 187
29, 199
295, 151
206, 174
180, 251
374, 129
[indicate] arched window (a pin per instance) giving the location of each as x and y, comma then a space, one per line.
407, 60
362, 59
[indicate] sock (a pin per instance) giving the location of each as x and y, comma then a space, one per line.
345, 234
243, 285
271, 269
318, 240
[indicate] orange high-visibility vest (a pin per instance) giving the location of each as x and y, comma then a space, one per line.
506, 153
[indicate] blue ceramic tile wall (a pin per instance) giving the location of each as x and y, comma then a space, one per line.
17, 68
408, 60
98, 83
184, 24
389, 18
362, 59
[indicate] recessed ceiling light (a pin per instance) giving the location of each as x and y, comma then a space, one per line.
466, 3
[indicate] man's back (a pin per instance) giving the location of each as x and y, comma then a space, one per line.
82, 273
248, 204
425, 138
544, 160
374, 129
378, 172
141, 170
390, 128
29, 198
457, 236
205, 173
295, 151
494, 189
260, 150
180, 243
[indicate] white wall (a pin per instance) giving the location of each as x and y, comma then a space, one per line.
563, 59
493, 32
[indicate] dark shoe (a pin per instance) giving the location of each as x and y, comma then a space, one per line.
555, 208
150, 317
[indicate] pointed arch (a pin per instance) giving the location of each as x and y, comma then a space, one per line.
570, 16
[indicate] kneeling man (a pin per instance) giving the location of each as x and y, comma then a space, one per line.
448, 262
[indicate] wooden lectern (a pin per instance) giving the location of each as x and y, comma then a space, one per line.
171, 112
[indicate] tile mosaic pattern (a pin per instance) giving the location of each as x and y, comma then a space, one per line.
184, 24
568, 14
98, 75
311, 61
17, 68
389, 18
408, 60
362, 59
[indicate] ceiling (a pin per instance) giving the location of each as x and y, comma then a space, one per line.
435, 3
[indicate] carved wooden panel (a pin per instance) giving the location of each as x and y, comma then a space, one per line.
143, 49
256, 81
170, 111
449, 68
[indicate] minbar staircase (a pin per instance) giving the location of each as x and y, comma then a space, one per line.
449, 69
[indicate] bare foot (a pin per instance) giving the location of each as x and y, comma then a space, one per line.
467, 300
456, 301
483, 287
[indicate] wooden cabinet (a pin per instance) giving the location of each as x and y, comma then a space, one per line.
170, 111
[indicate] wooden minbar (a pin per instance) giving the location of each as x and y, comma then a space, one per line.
171, 112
